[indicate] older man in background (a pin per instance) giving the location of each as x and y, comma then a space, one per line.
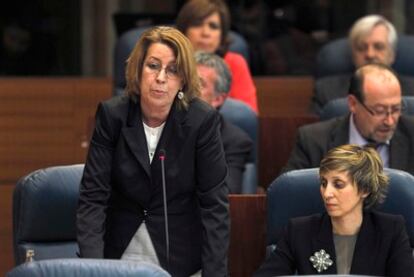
215, 85
375, 118
372, 39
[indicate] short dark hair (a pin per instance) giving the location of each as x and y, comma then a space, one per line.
357, 79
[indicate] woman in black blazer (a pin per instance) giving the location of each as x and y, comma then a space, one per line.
159, 127
349, 238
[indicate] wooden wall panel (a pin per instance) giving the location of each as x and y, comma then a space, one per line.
283, 106
44, 122
277, 137
283, 95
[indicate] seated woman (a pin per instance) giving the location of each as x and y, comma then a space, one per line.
350, 238
206, 23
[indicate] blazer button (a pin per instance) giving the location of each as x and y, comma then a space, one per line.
145, 215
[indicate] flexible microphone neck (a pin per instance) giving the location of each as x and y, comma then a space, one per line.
164, 195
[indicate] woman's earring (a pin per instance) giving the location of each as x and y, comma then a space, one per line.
180, 95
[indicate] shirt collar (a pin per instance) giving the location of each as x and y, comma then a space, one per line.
355, 136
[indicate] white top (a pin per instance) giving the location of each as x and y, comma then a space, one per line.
141, 248
152, 135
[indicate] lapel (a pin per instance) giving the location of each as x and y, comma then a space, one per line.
173, 137
340, 132
398, 150
324, 240
171, 141
134, 135
365, 247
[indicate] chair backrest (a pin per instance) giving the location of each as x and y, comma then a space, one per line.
296, 193
338, 107
249, 182
335, 57
334, 108
44, 213
87, 268
242, 116
126, 43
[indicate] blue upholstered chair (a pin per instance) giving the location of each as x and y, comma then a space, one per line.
339, 107
334, 108
44, 213
245, 118
296, 193
241, 115
335, 57
86, 268
126, 43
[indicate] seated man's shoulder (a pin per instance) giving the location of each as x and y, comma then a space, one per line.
233, 134
407, 85
406, 125
322, 126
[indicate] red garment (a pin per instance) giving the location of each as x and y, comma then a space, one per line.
242, 87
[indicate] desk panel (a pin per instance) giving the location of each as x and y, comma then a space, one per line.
248, 234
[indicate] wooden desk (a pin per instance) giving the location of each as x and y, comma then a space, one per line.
6, 238
248, 234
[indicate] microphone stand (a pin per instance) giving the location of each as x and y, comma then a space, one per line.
164, 194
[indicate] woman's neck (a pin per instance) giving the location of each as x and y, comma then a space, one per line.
154, 117
347, 225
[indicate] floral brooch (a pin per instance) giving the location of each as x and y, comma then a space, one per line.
321, 260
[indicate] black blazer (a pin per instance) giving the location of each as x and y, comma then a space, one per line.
382, 247
314, 140
120, 188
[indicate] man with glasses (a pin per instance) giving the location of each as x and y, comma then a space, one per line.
375, 118
372, 38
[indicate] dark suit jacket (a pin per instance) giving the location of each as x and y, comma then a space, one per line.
314, 140
333, 87
382, 247
120, 188
237, 148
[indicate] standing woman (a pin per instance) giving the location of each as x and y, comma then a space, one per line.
121, 205
350, 237
206, 23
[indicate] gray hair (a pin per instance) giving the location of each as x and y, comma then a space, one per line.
213, 61
364, 25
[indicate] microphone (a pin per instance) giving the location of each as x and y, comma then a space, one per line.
164, 194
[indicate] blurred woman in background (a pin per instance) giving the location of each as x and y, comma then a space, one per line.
207, 23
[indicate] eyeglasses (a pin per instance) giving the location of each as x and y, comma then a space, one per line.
382, 112
155, 68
